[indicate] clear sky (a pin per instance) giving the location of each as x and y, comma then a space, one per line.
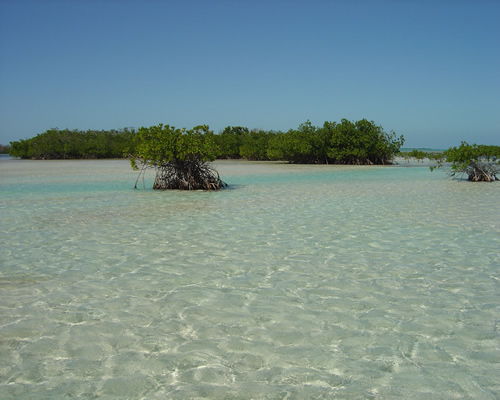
427, 69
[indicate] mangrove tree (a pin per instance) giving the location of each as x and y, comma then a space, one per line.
480, 163
181, 158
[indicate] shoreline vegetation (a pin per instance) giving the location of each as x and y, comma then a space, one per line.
181, 158
348, 142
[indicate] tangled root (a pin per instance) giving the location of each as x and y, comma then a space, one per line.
187, 175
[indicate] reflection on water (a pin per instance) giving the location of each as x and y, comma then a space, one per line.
300, 282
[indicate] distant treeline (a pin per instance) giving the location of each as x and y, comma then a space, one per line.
4, 149
347, 142
55, 144
360, 142
462, 154
421, 154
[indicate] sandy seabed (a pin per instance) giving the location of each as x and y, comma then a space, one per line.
296, 282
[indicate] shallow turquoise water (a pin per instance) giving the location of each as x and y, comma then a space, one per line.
297, 282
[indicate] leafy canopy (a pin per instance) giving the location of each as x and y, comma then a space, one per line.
66, 144
162, 144
347, 142
478, 162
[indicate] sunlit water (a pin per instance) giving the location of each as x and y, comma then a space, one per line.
297, 282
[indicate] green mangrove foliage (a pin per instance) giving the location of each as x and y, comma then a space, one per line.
236, 142
347, 142
298, 146
56, 144
420, 155
255, 145
480, 163
360, 142
230, 140
180, 157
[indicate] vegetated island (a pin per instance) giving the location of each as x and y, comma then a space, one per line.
66, 144
361, 142
182, 157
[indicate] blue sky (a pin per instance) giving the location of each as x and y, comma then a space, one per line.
427, 69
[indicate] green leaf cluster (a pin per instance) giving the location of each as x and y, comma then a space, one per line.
462, 155
230, 140
478, 162
236, 142
66, 144
347, 142
162, 144
360, 142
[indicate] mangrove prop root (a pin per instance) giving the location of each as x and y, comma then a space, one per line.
479, 172
187, 175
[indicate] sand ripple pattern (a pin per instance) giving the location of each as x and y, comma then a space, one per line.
299, 282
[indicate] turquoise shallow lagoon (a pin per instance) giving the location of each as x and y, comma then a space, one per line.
298, 282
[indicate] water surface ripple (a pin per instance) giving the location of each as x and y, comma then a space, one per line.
297, 282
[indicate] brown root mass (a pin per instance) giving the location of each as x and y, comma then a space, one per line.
482, 172
187, 175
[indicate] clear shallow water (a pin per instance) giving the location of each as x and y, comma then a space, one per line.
297, 282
